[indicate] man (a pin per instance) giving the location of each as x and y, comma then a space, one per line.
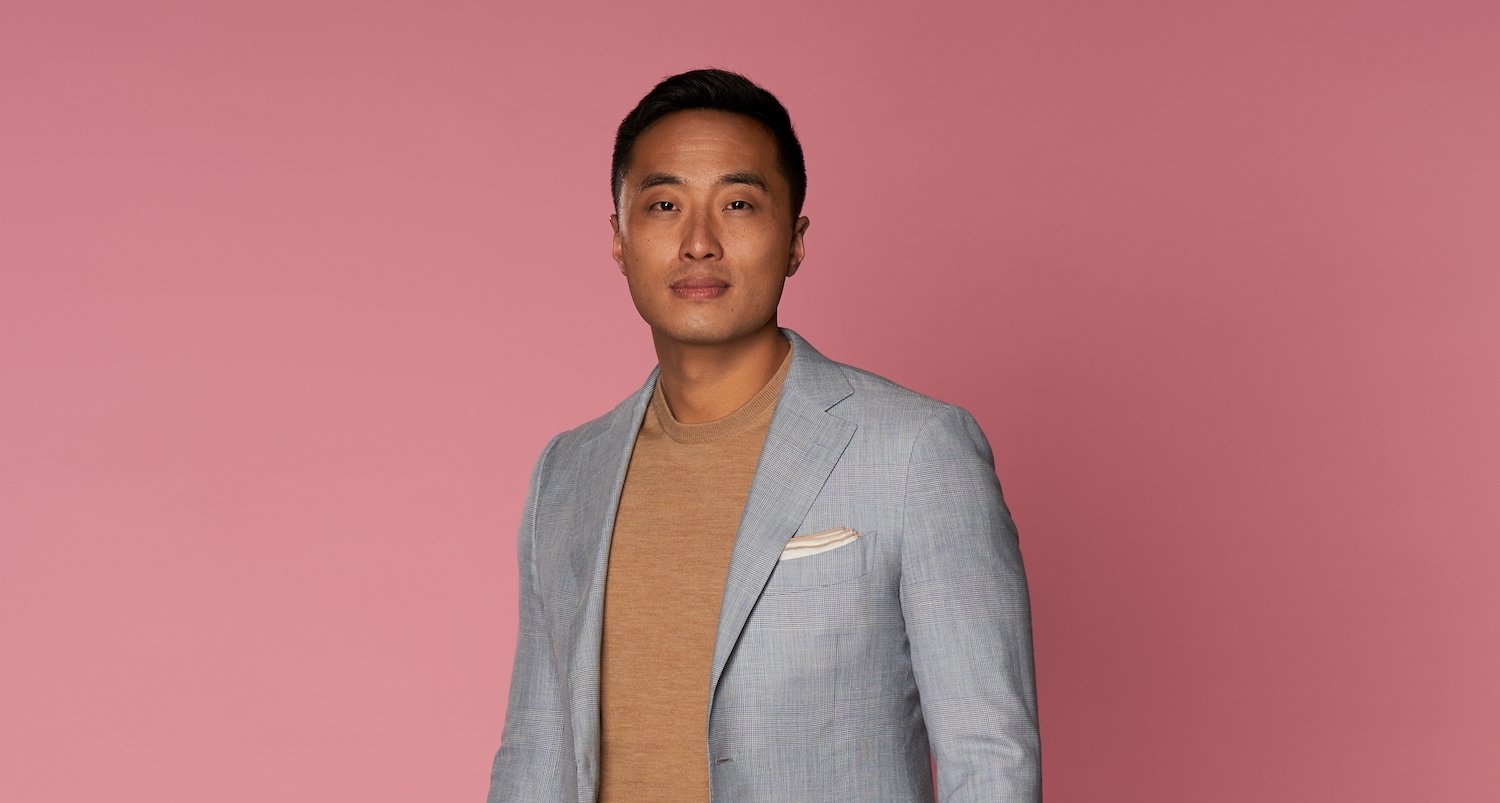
765, 576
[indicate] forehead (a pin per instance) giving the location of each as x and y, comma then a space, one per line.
704, 141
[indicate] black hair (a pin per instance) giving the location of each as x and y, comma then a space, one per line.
718, 90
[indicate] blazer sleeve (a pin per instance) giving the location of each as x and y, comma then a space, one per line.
529, 766
968, 617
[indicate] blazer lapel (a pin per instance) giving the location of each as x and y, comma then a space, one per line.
603, 463
802, 446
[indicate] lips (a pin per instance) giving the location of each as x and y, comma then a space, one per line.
699, 287
698, 283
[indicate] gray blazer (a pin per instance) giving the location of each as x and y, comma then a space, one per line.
833, 674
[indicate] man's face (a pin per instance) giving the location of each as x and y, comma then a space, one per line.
704, 234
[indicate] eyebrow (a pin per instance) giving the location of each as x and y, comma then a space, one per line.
659, 179
667, 179
752, 179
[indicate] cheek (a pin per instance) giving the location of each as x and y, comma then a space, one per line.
646, 253
773, 247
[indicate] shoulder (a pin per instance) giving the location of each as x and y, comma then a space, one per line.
856, 395
880, 401
877, 397
584, 443
571, 440
923, 426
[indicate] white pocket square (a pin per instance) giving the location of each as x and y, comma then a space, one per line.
803, 546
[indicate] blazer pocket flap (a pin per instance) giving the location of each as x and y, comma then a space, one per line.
803, 546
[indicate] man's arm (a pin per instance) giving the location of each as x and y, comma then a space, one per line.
532, 762
968, 619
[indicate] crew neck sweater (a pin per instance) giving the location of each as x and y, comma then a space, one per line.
679, 512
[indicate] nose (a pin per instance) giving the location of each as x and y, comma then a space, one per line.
700, 237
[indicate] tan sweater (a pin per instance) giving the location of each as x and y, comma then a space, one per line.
679, 512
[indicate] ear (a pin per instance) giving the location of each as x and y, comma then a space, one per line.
617, 249
798, 229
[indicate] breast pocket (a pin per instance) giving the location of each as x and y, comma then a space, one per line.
841, 564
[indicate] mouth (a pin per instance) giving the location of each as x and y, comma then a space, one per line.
699, 287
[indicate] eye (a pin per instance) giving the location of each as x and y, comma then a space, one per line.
663, 206
739, 205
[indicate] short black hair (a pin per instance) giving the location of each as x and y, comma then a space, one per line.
717, 90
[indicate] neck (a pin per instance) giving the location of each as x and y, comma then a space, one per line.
707, 382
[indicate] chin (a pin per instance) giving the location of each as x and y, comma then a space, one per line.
707, 335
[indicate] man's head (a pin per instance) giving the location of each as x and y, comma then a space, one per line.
708, 196
718, 90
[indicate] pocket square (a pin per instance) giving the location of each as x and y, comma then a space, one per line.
803, 546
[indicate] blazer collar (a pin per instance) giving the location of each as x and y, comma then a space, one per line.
814, 380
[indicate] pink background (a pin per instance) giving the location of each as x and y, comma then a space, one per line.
291, 295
